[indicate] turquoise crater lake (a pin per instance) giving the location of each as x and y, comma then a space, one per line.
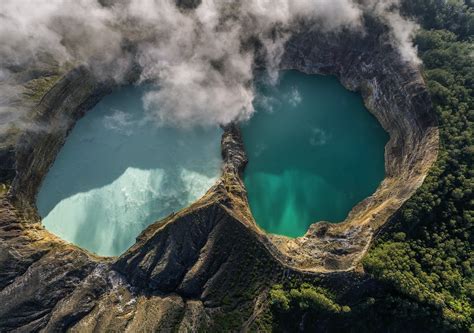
118, 172
314, 152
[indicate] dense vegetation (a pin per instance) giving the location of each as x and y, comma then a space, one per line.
425, 259
305, 297
306, 303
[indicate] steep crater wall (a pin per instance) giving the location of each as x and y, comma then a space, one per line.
182, 267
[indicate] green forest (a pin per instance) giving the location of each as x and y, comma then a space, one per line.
424, 259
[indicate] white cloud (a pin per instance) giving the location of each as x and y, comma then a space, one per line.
318, 137
294, 97
199, 60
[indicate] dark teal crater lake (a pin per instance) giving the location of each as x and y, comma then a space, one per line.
118, 172
314, 152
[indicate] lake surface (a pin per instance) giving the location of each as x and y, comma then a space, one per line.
119, 172
314, 152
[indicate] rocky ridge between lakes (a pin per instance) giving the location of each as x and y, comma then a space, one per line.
209, 266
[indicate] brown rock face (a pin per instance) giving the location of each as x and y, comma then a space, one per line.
208, 266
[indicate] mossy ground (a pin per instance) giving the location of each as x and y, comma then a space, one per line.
37, 88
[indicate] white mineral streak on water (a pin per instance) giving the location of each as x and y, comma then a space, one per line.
118, 173
111, 214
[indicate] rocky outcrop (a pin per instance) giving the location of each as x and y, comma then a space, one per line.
209, 266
